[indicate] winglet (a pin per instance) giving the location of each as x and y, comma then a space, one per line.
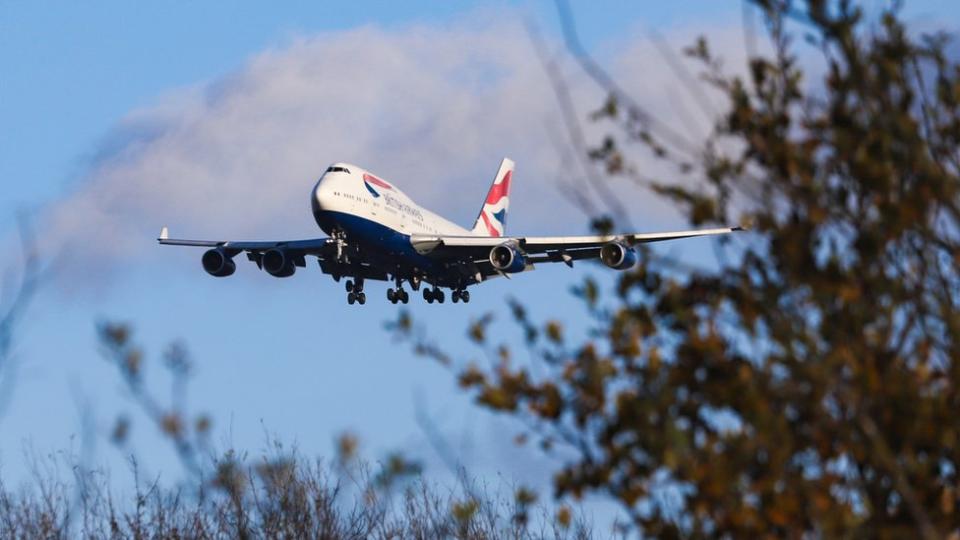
164, 234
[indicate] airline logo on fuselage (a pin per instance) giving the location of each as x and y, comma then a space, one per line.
370, 181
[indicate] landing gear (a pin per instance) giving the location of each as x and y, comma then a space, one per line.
460, 296
434, 294
398, 295
355, 292
340, 240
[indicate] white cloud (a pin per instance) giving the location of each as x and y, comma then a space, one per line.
431, 108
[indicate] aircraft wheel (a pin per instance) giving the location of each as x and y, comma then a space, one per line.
349, 285
455, 296
428, 295
404, 297
391, 296
361, 298
440, 296
351, 298
465, 296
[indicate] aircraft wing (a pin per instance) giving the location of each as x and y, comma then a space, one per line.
324, 249
315, 246
546, 248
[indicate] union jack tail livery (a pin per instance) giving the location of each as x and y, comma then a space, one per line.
493, 215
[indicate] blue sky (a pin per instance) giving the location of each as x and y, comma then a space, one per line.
80, 81
71, 70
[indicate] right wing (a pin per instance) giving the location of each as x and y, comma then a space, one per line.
325, 250
314, 246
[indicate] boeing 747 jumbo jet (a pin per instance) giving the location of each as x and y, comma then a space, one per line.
376, 232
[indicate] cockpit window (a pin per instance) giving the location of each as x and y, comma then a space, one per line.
338, 169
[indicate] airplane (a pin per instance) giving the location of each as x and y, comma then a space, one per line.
376, 232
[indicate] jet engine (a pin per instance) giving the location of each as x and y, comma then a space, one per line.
618, 255
217, 263
507, 258
278, 263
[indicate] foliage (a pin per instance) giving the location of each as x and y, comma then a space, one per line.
276, 496
808, 383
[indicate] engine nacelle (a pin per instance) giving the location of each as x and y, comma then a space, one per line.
278, 263
618, 255
217, 263
507, 258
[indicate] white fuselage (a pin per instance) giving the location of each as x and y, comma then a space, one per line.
353, 199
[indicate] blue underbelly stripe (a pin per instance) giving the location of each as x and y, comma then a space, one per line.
378, 238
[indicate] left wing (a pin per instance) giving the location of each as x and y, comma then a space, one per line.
545, 248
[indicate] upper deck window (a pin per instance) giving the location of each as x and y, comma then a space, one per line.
338, 169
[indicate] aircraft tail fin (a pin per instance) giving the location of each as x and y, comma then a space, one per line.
493, 214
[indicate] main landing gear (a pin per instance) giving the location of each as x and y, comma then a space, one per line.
436, 294
433, 294
398, 295
355, 292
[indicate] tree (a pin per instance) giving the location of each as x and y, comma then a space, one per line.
808, 384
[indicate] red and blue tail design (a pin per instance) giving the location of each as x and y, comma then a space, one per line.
492, 220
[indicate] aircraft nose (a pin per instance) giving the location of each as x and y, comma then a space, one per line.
320, 197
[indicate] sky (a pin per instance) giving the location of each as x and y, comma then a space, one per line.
215, 119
